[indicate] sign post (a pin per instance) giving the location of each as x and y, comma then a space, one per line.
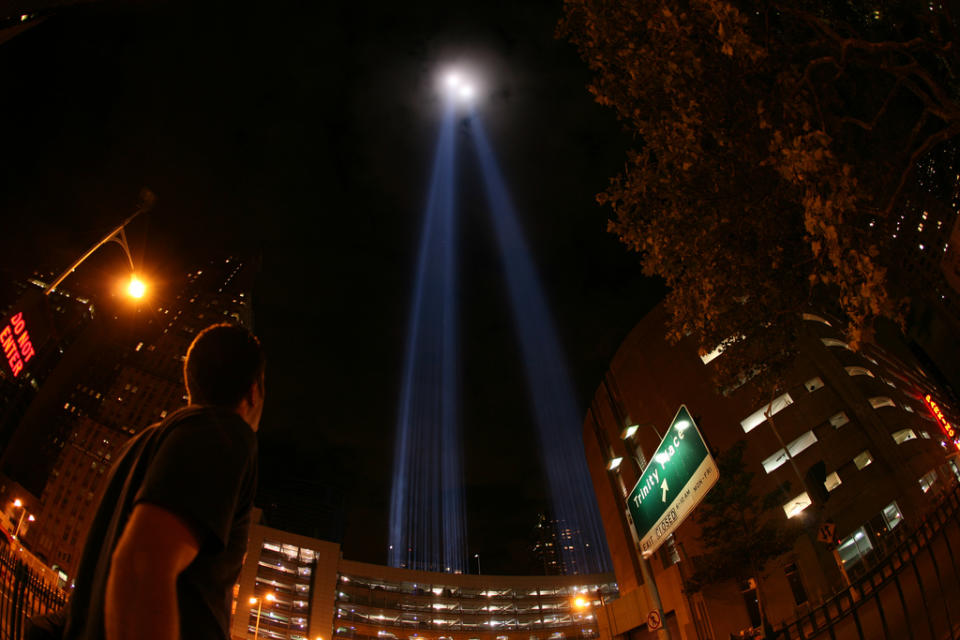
681, 473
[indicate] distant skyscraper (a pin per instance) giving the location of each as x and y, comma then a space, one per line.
557, 545
546, 546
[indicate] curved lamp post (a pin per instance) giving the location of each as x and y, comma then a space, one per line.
136, 288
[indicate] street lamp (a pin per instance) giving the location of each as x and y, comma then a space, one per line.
136, 288
581, 603
23, 512
477, 556
254, 600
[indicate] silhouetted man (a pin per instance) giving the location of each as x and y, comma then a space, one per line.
167, 543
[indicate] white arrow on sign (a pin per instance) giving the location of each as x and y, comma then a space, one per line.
665, 489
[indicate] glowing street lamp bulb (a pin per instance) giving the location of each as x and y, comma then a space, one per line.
17, 503
136, 288
453, 80
466, 92
580, 603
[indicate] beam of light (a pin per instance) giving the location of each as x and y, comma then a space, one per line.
554, 408
427, 516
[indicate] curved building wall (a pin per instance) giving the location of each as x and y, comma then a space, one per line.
321, 595
860, 414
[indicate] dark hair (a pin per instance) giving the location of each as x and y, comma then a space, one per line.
222, 363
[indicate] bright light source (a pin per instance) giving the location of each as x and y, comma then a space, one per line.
253, 601
17, 503
627, 433
136, 288
459, 85
30, 518
614, 464
271, 597
580, 603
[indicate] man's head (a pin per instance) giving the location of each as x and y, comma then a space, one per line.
225, 368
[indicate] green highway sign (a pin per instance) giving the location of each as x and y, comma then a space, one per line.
679, 475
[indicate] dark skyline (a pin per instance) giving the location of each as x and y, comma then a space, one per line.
303, 136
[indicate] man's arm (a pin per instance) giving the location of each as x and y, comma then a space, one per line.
141, 600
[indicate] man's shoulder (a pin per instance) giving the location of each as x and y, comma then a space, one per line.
208, 421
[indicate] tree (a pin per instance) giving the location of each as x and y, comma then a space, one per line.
773, 143
738, 529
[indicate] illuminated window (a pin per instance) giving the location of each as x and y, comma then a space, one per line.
813, 384
928, 480
777, 459
858, 371
882, 401
903, 435
779, 404
832, 481
815, 318
891, 515
709, 357
839, 419
954, 468
833, 342
863, 459
797, 504
854, 547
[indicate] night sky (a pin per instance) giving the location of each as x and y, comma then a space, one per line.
303, 133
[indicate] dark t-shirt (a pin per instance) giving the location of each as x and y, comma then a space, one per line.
201, 465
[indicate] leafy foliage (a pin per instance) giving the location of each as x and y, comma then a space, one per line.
741, 530
772, 144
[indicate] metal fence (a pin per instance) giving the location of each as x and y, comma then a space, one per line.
908, 594
23, 593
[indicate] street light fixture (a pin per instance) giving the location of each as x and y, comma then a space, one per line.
136, 288
118, 235
259, 602
580, 602
23, 511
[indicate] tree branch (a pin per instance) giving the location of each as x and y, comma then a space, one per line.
873, 123
928, 144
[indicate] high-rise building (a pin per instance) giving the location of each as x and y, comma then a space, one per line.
546, 546
863, 439
551, 538
129, 377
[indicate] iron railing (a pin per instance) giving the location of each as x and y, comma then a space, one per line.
24, 593
909, 594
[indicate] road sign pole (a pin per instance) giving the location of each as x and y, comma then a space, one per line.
654, 594
646, 572
679, 475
